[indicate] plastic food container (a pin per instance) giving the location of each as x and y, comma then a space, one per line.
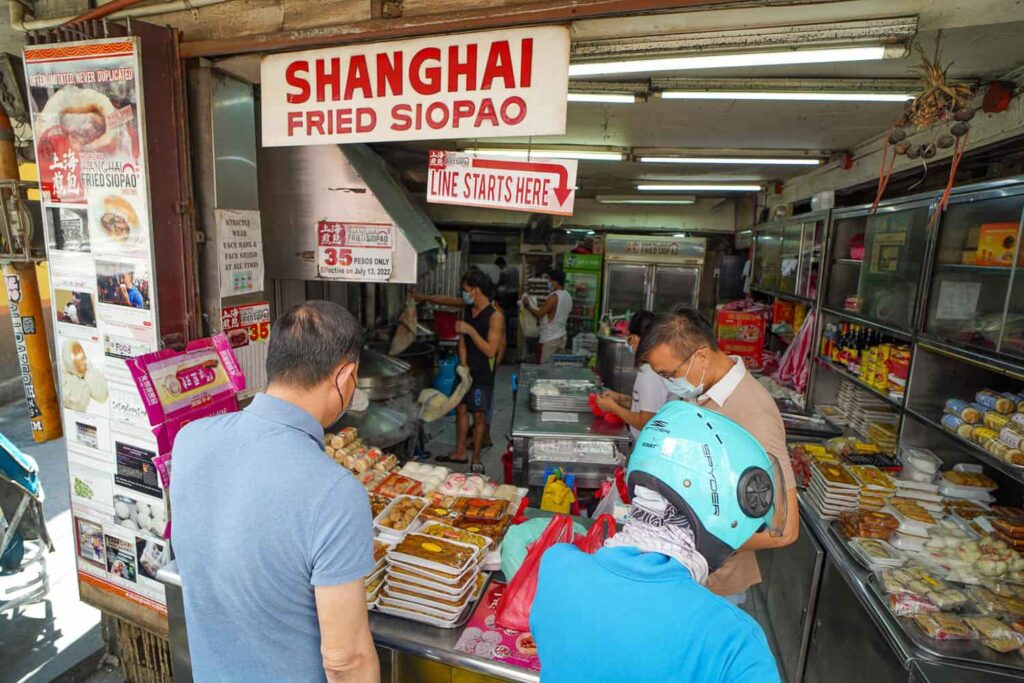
416, 574
388, 532
386, 606
416, 548
441, 603
430, 588
922, 460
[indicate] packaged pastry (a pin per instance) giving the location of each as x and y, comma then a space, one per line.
377, 504
995, 401
425, 577
909, 604
948, 598
963, 410
981, 433
453, 534
371, 479
492, 530
1007, 527
997, 605
942, 626
835, 474
348, 435
400, 515
481, 509
335, 441
380, 549
387, 463
963, 508
995, 634
395, 484
957, 425
912, 511
871, 477
977, 479
425, 598
1012, 437
995, 421
433, 552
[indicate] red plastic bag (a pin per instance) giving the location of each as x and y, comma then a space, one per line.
602, 529
514, 609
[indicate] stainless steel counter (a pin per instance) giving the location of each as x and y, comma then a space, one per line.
438, 645
527, 423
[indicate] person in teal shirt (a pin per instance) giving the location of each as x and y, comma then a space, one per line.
637, 609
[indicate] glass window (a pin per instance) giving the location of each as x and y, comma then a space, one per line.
625, 288
973, 265
790, 257
810, 259
766, 259
894, 248
847, 257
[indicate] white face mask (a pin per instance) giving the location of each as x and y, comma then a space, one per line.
467, 298
681, 387
356, 396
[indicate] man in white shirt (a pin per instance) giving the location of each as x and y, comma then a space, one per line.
552, 315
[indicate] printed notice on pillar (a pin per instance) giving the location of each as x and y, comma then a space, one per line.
537, 186
361, 252
240, 252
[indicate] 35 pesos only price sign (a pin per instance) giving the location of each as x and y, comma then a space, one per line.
355, 251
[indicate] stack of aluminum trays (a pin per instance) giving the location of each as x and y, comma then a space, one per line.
565, 395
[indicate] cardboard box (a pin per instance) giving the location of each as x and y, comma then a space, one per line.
997, 243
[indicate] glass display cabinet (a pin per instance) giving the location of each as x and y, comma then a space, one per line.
976, 300
787, 256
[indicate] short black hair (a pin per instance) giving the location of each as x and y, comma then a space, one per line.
641, 322
500, 262
558, 275
309, 341
475, 277
684, 329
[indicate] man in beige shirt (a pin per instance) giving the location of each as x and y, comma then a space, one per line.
681, 347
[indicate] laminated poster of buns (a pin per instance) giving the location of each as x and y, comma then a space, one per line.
119, 220
83, 114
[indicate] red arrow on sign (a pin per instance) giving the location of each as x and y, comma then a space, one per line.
562, 191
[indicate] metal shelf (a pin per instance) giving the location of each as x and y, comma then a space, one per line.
850, 261
990, 270
784, 296
976, 451
850, 317
981, 360
859, 382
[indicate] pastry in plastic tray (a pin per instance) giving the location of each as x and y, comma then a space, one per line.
374, 584
911, 511
1002, 403
835, 475
371, 479
1008, 528
942, 626
995, 634
964, 509
975, 479
437, 551
426, 599
1009, 513
380, 549
415, 583
412, 610
877, 550
401, 513
396, 485
481, 509
442, 582
453, 534
948, 598
377, 504
492, 530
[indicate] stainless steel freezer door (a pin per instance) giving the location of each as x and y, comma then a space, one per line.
674, 285
625, 288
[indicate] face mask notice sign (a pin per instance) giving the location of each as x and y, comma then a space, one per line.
362, 252
536, 186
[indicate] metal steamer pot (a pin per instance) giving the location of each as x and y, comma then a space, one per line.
420, 357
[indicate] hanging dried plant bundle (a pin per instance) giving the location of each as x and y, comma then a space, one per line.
940, 98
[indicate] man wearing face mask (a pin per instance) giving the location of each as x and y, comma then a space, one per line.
273, 539
552, 316
682, 349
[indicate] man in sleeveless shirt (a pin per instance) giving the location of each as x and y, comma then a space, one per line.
552, 315
481, 336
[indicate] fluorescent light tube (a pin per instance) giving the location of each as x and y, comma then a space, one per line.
698, 188
641, 199
761, 161
742, 59
523, 153
784, 96
602, 97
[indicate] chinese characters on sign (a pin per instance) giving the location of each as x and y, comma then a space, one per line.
87, 121
248, 331
535, 186
355, 251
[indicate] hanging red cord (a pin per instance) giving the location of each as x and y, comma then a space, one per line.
958, 152
884, 172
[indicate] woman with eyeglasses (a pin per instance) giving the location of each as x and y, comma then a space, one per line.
649, 390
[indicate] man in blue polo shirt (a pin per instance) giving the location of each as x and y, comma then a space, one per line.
273, 539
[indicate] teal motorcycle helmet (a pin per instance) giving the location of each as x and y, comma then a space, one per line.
713, 471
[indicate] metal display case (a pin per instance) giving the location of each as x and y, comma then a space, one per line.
787, 257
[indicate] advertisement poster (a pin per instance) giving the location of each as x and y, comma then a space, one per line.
248, 330
240, 251
538, 186
355, 251
511, 82
87, 121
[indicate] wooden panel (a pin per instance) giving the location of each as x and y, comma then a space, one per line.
108, 602
298, 16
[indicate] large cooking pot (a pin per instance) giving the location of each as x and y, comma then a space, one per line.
615, 364
420, 357
383, 377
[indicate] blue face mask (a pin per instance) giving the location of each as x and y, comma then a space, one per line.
468, 298
682, 388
